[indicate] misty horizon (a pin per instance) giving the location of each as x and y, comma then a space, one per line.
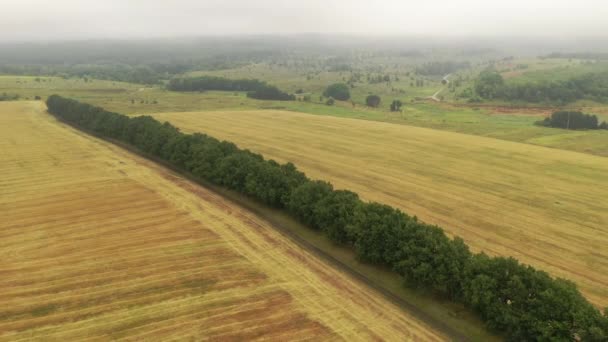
36, 20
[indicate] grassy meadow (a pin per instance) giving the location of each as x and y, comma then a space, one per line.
544, 206
98, 243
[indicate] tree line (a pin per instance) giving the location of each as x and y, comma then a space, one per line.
441, 68
142, 74
577, 55
513, 299
255, 89
593, 86
572, 120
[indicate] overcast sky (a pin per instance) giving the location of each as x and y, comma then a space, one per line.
85, 19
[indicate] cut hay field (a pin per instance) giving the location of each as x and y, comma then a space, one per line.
545, 207
99, 244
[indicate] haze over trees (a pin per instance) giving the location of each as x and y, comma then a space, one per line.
593, 86
513, 299
441, 68
255, 88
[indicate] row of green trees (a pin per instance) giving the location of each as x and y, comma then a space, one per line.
572, 120
516, 300
491, 85
255, 88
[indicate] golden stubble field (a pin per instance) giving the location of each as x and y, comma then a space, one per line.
99, 244
545, 207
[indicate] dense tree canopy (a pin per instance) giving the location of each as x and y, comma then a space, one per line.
338, 91
513, 299
373, 100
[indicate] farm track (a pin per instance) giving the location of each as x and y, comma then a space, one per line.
100, 244
543, 206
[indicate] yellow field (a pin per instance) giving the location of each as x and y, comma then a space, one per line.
545, 207
98, 244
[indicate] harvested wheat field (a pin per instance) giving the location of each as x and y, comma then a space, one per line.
545, 207
98, 244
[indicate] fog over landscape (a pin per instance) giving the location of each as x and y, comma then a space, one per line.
284, 170
73, 19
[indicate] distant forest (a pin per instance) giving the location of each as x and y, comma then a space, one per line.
593, 86
155, 61
145, 62
441, 68
578, 55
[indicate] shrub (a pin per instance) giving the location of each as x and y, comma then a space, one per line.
372, 101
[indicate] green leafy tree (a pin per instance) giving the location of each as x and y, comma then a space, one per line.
489, 84
373, 101
338, 91
335, 213
396, 106
305, 199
